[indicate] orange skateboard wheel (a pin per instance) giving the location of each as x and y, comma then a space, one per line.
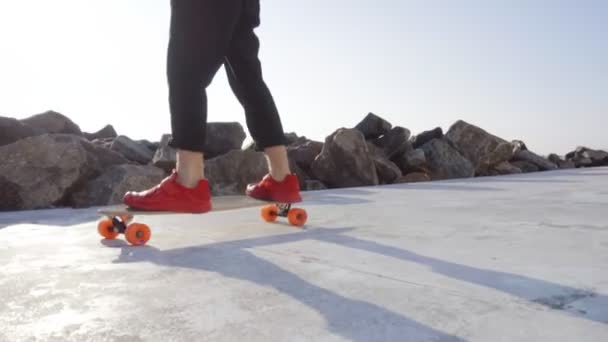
270, 212
105, 228
138, 234
297, 217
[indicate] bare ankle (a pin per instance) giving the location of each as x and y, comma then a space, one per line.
278, 162
190, 168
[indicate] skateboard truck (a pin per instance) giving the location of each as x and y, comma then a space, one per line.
120, 223
295, 216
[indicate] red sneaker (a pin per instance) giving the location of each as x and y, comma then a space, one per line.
268, 189
169, 195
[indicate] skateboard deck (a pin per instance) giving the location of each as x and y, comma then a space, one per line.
118, 219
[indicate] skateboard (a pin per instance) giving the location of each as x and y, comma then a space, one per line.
118, 220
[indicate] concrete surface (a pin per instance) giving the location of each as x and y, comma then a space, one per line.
512, 258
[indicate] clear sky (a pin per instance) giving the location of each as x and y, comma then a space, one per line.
534, 70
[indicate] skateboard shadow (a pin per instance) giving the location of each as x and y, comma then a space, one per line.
352, 319
231, 259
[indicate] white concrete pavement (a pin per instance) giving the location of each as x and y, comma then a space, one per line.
511, 258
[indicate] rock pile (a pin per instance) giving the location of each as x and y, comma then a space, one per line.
47, 161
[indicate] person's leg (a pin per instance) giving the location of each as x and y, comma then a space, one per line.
244, 72
199, 37
200, 34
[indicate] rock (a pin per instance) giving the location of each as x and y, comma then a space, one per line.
597, 157
525, 166
165, 156
472, 142
12, 130
395, 142
313, 185
561, 163
148, 144
387, 171
414, 177
53, 122
132, 150
110, 187
39, 171
445, 162
104, 133
304, 154
554, 158
426, 136
345, 161
518, 145
506, 168
105, 142
251, 147
11, 195
586, 157
412, 161
373, 126
223, 137
303, 176
582, 162
101, 158
230, 173
566, 164
503, 152
541, 163
292, 139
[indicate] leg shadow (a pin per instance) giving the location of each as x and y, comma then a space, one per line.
352, 319
551, 295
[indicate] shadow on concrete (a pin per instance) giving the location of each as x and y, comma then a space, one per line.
347, 317
62, 217
352, 319
551, 295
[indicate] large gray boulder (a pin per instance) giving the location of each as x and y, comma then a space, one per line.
541, 163
524, 166
414, 177
12, 130
412, 161
475, 144
304, 154
418, 140
106, 132
110, 187
53, 122
395, 142
345, 161
445, 162
165, 156
223, 137
387, 171
491, 161
41, 171
132, 150
230, 173
585, 157
373, 126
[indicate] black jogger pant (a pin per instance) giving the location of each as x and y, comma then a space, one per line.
204, 35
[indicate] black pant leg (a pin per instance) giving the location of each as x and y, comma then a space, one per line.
244, 72
200, 35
